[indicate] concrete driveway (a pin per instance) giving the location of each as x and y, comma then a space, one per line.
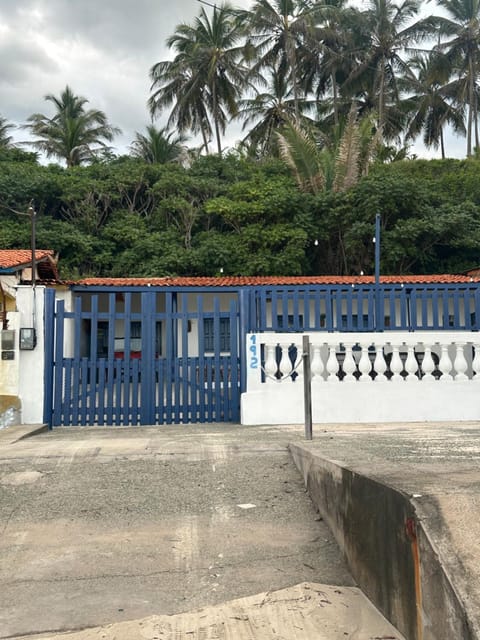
101, 526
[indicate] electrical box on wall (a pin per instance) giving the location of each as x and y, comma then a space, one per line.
28, 339
8, 340
7, 344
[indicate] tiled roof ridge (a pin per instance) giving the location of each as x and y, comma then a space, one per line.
19, 257
232, 281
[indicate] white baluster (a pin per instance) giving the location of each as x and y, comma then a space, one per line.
476, 362
411, 365
396, 365
316, 365
428, 365
349, 366
364, 364
445, 364
332, 365
285, 366
379, 364
271, 366
460, 363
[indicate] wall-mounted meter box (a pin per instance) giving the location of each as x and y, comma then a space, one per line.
28, 339
7, 340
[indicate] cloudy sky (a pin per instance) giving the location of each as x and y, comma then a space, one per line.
103, 49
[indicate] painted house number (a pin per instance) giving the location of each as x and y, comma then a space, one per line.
253, 352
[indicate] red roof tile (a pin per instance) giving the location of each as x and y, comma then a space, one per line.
18, 259
21, 257
239, 281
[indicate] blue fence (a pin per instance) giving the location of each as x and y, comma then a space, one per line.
160, 356
366, 308
142, 358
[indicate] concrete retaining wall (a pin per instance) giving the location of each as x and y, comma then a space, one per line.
388, 550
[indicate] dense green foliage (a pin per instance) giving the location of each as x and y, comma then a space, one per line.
127, 217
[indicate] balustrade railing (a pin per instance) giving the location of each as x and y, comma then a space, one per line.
395, 357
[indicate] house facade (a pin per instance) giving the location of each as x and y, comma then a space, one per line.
22, 331
178, 350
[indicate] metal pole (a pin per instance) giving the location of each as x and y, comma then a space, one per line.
378, 311
31, 211
307, 387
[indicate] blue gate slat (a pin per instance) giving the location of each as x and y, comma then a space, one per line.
84, 390
194, 396
217, 350
102, 365
119, 402
184, 320
456, 310
49, 346
200, 376
110, 379
467, 299
232, 365
169, 348
136, 371
58, 376
67, 398
284, 309
426, 295
176, 399
210, 399
92, 392
76, 391
445, 314
413, 321
160, 376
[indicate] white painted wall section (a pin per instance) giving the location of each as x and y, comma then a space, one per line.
387, 377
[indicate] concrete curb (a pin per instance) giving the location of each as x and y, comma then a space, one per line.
13, 434
389, 549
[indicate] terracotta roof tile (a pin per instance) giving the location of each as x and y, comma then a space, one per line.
239, 281
21, 257
18, 259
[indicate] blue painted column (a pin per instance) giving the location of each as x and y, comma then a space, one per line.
244, 316
49, 344
378, 301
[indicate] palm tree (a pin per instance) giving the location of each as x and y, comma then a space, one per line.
270, 110
277, 30
326, 60
462, 50
74, 134
431, 103
177, 83
385, 32
335, 164
208, 67
157, 146
5, 137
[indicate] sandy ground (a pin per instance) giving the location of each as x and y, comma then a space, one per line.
307, 611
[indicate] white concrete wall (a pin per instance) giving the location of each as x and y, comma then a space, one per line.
32, 363
455, 396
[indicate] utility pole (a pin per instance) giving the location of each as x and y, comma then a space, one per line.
376, 240
32, 213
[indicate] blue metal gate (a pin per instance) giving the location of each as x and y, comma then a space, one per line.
141, 357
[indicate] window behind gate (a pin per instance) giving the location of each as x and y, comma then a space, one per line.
209, 334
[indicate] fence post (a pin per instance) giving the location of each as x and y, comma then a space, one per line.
307, 387
49, 346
